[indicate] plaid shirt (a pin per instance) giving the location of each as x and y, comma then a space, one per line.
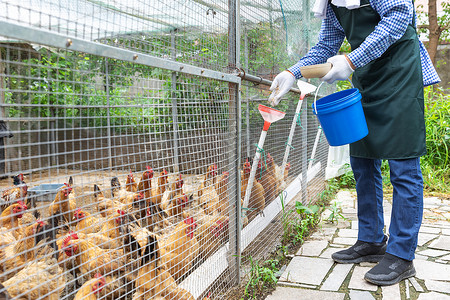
395, 17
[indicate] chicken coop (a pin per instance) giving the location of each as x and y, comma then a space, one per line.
127, 130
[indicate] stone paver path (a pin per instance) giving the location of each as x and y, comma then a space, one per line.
312, 274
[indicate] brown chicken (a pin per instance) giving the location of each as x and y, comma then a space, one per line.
91, 289
9, 218
163, 184
209, 198
222, 191
15, 253
268, 181
177, 206
39, 279
154, 216
180, 248
86, 223
107, 207
120, 193
16, 193
62, 207
275, 171
91, 259
257, 201
211, 234
130, 184
153, 280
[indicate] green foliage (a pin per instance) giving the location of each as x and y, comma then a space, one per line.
443, 20
436, 164
347, 180
336, 213
298, 222
260, 276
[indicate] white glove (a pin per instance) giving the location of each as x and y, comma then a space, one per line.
341, 69
281, 84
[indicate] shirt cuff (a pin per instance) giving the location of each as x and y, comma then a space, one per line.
295, 70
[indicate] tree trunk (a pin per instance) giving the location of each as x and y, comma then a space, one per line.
434, 30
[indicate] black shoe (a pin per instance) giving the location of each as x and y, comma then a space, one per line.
361, 251
390, 270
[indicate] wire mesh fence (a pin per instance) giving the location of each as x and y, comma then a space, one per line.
126, 140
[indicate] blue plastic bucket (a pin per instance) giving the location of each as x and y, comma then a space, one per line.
342, 117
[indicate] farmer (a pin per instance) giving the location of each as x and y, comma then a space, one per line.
390, 66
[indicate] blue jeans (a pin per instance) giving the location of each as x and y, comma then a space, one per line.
407, 203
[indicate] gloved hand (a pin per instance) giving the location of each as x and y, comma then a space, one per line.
341, 69
281, 84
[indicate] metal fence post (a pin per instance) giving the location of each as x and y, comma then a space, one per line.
234, 190
304, 115
108, 114
174, 104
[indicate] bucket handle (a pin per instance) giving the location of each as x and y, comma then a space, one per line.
317, 91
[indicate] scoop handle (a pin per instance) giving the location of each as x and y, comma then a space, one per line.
315, 71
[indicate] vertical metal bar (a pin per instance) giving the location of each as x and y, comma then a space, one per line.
247, 111
3, 166
235, 139
108, 115
174, 106
304, 116
52, 121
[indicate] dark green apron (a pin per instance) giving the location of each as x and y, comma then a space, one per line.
391, 88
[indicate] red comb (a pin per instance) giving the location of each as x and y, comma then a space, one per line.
189, 221
78, 210
22, 204
73, 235
119, 211
40, 222
98, 275
66, 240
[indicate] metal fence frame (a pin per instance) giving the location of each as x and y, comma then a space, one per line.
230, 255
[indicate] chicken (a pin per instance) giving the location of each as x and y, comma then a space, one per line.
221, 187
86, 223
62, 207
153, 214
180, 248
39, 279
130, 184
256, 202
91, 289
157, 194
16, 193
107, 207
268, 181
275, 171
120, 193
211, 234
91, 259
9, 218
223, 204
110, 235
209, 198
153, 280
176, 206
14, 253
72, 194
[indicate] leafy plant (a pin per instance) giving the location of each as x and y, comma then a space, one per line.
336, 213
260, 276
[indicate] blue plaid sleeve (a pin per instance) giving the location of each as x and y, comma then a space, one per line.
395, 17
331, 36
